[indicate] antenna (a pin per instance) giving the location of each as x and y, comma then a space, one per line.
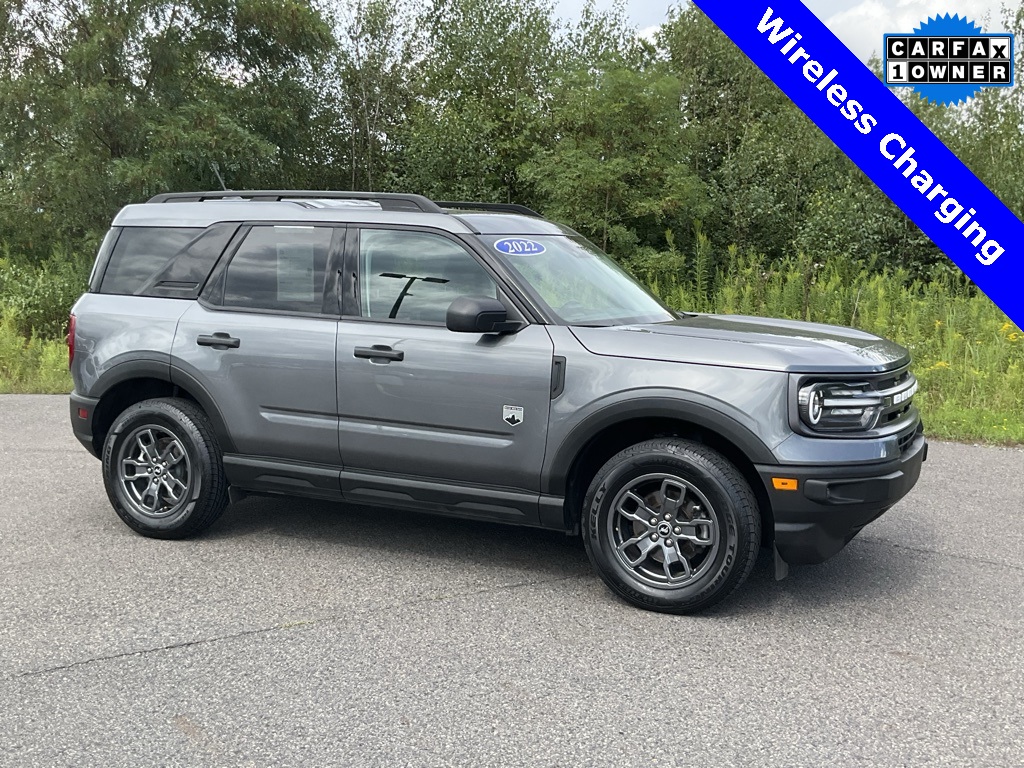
216, 169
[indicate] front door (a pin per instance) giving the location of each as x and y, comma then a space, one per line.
425, 408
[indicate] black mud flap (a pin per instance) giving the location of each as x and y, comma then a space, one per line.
781, 566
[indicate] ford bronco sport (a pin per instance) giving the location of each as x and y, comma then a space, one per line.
474, 360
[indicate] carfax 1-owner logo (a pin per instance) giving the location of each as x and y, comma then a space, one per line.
948, 58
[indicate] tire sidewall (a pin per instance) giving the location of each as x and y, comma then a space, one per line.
709, 480
166, 416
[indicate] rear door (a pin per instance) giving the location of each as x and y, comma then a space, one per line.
262, 338
417, 401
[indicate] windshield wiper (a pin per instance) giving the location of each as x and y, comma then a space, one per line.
410, 279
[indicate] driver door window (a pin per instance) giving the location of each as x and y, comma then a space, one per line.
415, 276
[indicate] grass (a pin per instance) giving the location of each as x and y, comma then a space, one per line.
32, 365
967, 355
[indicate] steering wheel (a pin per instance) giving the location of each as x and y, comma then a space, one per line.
570, 307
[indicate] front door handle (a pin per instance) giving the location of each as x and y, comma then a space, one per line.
218, 341
379, 352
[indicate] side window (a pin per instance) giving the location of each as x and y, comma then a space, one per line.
414, 276
279, 268
185, 274
99, 266
142, 252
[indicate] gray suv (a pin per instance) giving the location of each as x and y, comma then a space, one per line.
474, 360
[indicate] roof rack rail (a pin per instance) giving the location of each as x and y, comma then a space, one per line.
388, 201
465, 205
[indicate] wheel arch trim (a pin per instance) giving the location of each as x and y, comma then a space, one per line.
162, 370
556, 474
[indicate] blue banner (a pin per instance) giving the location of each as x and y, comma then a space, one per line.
885, 139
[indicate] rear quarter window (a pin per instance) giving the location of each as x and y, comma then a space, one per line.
164, 261
99, 266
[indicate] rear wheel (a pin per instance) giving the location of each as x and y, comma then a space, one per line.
162, 469
671, 525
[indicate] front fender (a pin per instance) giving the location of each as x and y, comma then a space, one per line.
695, 408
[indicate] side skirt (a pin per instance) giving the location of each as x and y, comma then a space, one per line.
248, 474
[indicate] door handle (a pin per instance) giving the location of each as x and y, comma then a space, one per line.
379, 352
218, 341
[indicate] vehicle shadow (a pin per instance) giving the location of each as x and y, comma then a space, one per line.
866, 570
397, 533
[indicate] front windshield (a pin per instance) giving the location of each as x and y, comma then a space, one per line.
579, 283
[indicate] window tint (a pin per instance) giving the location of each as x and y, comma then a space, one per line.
140, 253
185, 274
416, 275
280, 268
102, 256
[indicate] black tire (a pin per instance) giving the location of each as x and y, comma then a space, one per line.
162, 469
707, 515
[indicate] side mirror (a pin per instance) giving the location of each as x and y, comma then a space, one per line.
477, 314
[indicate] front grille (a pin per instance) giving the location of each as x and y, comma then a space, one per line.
893, 380
898, 390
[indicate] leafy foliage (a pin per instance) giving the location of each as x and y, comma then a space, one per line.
102, 103
108, 102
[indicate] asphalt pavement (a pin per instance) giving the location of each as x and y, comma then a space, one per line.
303, 633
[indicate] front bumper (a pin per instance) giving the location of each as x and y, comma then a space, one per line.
832, 503
82, 425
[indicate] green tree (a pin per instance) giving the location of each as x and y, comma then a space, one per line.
371, 80
618, 169
104, 102
483, 91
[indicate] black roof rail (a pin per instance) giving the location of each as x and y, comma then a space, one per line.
464, 205
388, 201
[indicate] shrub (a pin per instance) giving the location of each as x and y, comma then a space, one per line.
38, 298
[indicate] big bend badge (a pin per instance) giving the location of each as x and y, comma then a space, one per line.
512, 415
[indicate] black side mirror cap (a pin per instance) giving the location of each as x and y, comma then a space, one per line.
478, 314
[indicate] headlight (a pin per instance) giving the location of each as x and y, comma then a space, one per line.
812, 408
839, 407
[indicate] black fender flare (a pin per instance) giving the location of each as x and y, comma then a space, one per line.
554, 478
162, 370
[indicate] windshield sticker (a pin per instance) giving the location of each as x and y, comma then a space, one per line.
519, 246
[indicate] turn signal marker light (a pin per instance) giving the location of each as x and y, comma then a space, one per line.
784, 483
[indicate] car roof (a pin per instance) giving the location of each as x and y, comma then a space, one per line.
213, 211
201, 209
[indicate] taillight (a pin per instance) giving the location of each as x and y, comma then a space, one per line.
71, 340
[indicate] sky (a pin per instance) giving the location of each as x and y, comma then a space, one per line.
858, 23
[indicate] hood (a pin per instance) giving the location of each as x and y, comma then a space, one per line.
748, 342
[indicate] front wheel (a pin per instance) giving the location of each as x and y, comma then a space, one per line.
671, 525
162, 469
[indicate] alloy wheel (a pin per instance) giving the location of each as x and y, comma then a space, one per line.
664, 530
154, 472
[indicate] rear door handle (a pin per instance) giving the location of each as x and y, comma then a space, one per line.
218, 341
379, 352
